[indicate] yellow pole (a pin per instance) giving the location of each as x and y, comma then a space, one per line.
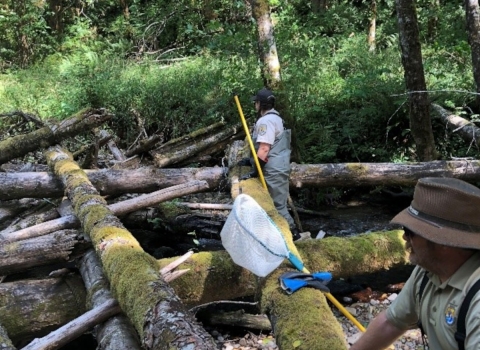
252, 148
341, 308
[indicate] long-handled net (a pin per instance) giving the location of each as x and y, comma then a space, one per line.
254, 242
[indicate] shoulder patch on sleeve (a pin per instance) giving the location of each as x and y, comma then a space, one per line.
262, 129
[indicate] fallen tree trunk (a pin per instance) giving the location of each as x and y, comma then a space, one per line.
107, 181
213, 276
119, 209
75, 328
149, 302
165, 156
143, 180
56, 247
20, 145
117, 332
466, 129
380, 174
35, 307
5, 342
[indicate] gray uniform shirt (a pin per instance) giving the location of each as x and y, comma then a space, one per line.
440, 306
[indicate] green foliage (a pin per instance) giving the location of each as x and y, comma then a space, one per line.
176, 64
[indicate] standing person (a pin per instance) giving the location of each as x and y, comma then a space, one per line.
442, 234
272, 144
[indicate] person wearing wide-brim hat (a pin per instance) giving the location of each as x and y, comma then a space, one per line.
442, 234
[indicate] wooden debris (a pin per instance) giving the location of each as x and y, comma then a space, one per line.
74, 329
106, 181
119, 209
58, 299
117, 332
51, 134
151, 305
170, 153
5, 342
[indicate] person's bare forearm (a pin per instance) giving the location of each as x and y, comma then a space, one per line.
379, 335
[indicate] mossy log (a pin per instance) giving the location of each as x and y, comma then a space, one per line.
308, 308
117, 332
214, 276
380, 174
178, 152
149, 302
106, 181
20, 145
33, 308
466, 129
5, 342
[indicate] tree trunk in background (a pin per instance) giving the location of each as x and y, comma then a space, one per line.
372, 29
420, 123
319, 6
271, 72
266, 43
55, 17
473, 31
433, 20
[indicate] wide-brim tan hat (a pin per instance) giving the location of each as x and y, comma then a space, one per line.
445, 211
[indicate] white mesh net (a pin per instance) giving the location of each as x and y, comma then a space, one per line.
251, 237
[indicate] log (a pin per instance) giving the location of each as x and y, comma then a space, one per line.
179, 152
240, 319
116, 182
213, 276
152, 306
112, 146
117, 332
75, 328
380, 174
20, 145
57, 300
119, 209
11, 208
5, 342
37, 218
466, 129
45, 250
144, 145
107, 181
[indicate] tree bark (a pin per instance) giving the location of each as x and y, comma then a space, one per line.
378, 174
119, 209
20, 145
107, 181
5, 342
178, 152
144, 145
117, 332
34, 308
149, 302
75, 328
473, 31
420, 123
213, 276
53, 248
465, 128
372, 28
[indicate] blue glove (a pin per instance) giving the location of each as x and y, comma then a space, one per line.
293, 281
